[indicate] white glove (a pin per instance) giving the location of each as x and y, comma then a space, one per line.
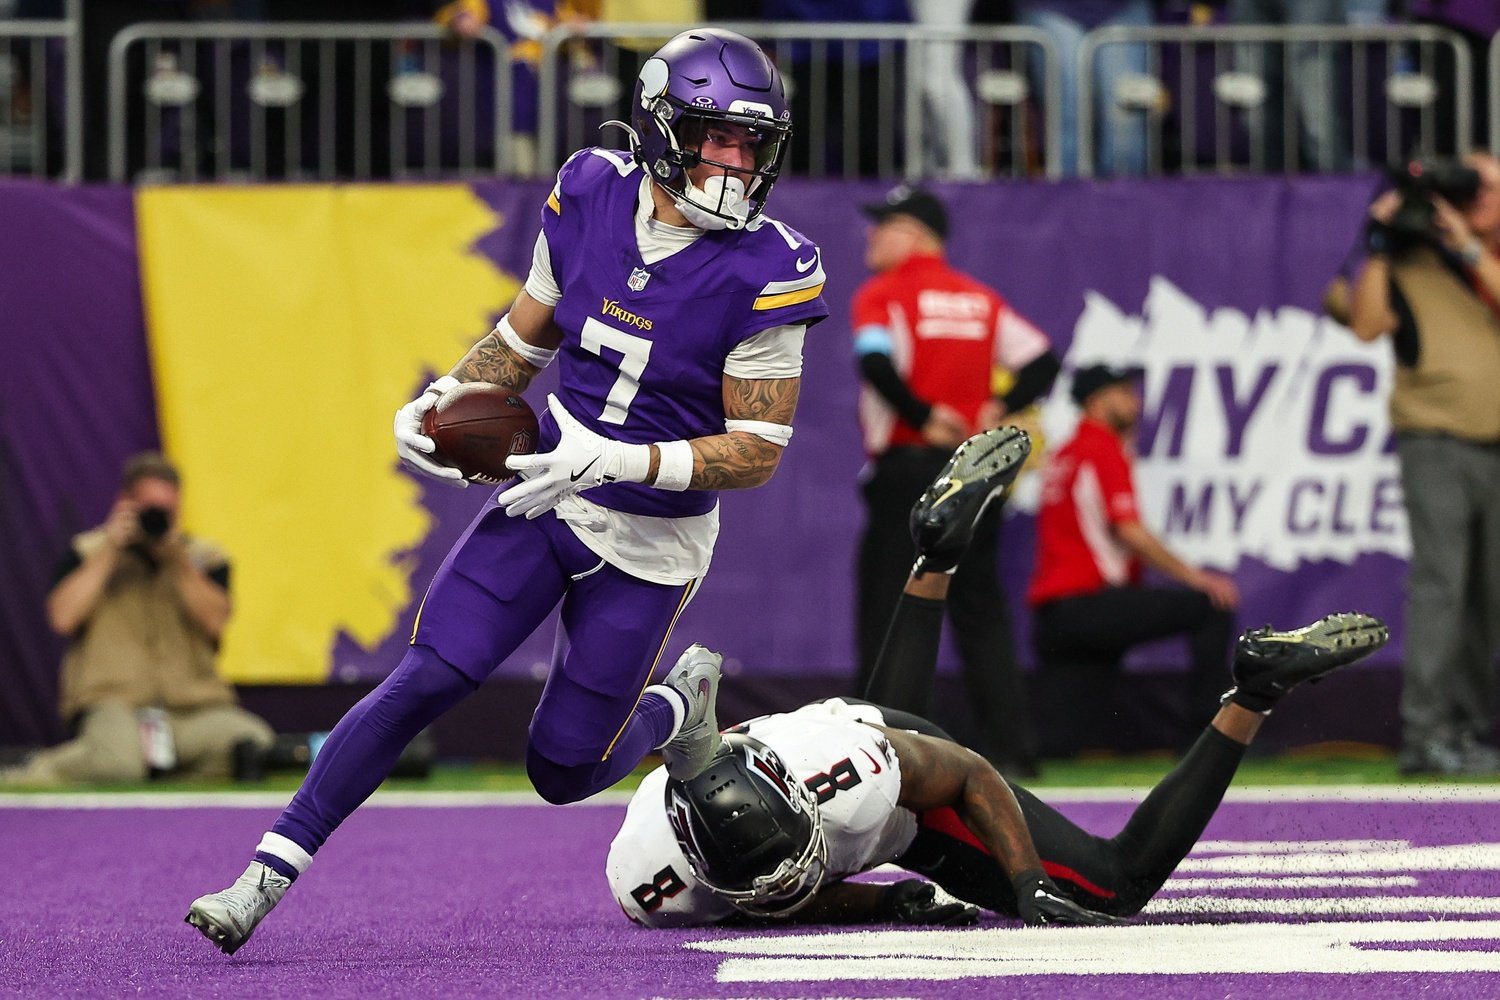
413, 446
581, 460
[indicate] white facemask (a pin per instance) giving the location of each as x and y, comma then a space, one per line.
720, 193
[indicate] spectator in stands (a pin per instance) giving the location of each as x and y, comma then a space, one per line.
1119, 132
1323, 142
1439, 302
928, 338
820, 96
951, 138
1477, 22
143, 606
1090, 603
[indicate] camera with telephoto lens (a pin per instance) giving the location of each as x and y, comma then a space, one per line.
1414, 222
154, 522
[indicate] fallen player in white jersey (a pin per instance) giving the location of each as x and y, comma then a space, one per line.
797, 802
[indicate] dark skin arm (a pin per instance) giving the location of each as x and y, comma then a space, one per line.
937, 773
834, 903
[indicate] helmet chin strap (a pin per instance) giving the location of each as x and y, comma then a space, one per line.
719, 204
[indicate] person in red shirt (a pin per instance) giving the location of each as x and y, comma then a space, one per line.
1087, 594
928, 337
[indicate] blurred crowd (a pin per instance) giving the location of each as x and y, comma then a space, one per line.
973, 126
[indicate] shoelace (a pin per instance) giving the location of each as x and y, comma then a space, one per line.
244, 897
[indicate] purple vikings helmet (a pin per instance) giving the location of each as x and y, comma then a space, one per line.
751, 832
703, 78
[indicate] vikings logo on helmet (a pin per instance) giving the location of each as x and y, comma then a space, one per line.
702, 78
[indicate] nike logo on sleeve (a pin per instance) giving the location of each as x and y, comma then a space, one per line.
873, 763
803, 266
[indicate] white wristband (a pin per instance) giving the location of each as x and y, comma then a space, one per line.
674, 470
538, 356
627, 463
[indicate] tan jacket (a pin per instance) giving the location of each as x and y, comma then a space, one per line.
139, 645
1455, 386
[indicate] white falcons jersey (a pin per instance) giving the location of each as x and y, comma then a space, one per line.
848, 765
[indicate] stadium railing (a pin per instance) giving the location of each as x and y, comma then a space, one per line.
41, 112
1234, 97
1493, 81
353, 101
259, 102
857, 92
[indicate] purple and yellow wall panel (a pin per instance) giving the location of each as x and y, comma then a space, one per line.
281, 327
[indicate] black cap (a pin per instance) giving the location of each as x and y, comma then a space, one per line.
913, 202
1087, 381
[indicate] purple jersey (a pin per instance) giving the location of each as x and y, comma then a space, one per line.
644, 346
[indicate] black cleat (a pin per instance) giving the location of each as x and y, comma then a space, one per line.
1268, 664
981, 469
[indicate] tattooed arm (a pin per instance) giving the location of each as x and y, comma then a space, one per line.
739, 460
937, 773
493, 360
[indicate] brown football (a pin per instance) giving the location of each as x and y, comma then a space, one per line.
477, 426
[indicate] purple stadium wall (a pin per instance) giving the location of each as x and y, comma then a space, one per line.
1150, 270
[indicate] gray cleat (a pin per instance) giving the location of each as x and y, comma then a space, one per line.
696, 678
227, 918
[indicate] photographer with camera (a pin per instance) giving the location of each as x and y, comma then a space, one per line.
1432, 284
143, 606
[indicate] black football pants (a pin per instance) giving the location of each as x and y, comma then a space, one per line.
1116, 875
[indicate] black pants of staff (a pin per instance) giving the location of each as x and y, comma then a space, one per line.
1099, 628
976, 606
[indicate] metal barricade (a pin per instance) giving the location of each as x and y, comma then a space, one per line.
882, 100
1493, 80
1271, 98
41, 97
258, 102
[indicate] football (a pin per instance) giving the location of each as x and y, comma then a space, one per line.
477, 426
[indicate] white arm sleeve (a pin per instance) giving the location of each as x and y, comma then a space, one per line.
540, 284
772, 353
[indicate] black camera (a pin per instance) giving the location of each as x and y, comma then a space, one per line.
1414, 222
154, 522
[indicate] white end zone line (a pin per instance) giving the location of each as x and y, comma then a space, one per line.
1415, 793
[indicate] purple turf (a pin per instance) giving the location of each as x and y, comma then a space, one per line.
511, 901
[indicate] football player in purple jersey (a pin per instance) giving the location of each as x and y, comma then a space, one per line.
675, 309
798, 801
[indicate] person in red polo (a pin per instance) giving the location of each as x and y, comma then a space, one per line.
1087, 591
928, 338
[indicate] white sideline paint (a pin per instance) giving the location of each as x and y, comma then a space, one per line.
275, 800
1338, 948
1326, 906
1292, 846
1452, 794
1403, 860
1291, 882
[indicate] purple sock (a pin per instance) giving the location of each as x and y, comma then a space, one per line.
277, 865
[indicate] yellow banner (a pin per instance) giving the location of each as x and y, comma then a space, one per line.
286, 326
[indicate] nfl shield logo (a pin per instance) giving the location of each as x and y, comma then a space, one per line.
638, 279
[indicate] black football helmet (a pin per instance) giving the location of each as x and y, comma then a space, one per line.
750, 830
